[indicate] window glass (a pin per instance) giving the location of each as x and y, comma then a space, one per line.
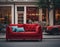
20, 8
32, 14
57, 16
5, 17
5, 14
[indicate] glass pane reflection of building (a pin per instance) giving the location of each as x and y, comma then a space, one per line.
5, 17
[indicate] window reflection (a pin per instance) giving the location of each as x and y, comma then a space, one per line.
32, 14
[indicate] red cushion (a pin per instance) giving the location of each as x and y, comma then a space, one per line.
30, 27
20, 25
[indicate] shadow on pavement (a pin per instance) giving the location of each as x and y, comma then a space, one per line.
24, 41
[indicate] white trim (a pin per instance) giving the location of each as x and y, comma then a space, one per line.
24, 14
6, 5
12, 12
40, 14
16, 16
27, 5
51, 17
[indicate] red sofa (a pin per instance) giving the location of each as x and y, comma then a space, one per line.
31, 32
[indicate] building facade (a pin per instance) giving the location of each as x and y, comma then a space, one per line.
22, 11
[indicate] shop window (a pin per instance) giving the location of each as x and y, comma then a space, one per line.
57, 16
5, 17
45, 16
20, 8
32, 14
5, 14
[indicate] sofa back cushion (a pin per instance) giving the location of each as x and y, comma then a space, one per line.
20, 25
30, 27
27, 27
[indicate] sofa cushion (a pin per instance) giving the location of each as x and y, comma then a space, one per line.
30, 27
21, 29
14, 28
20, 25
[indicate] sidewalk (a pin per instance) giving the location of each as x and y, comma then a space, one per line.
45, 36
2, 35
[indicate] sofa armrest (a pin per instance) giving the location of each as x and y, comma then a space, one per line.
39, 29
8, 29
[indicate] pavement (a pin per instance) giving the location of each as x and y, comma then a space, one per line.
45, 36
44, 43
48, 36
48, 41
2, 35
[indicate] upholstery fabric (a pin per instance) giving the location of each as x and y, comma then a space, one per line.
30, 27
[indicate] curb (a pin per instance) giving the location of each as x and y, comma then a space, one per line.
51, 38
43, 38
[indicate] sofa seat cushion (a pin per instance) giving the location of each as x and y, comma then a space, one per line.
30, 30
17, 33
23, 33
30, 33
